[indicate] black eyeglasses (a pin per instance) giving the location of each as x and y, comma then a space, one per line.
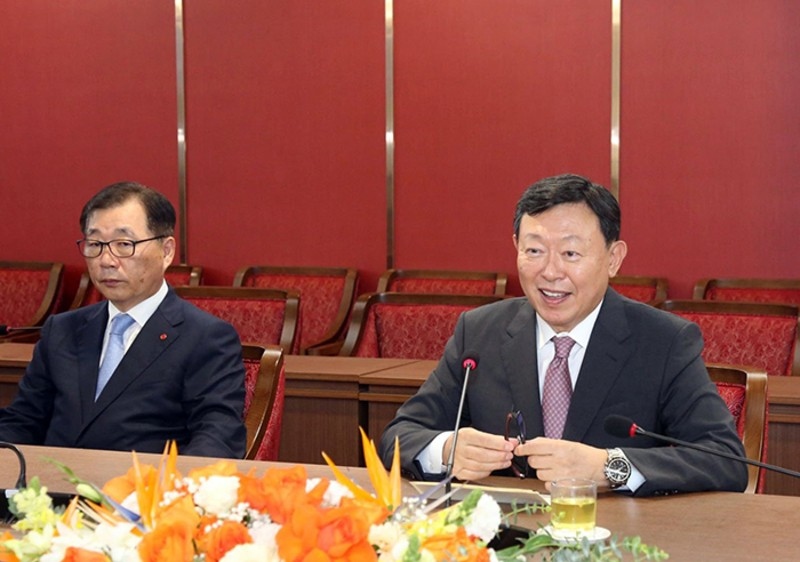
515, 427
121, 248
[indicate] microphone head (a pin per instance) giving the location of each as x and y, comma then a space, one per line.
470, 360
619, 426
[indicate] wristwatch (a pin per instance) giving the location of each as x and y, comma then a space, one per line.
617, 469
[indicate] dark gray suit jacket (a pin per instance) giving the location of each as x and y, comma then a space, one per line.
641, 362
182, 379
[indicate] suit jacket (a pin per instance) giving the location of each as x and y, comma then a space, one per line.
641, 362
182, 379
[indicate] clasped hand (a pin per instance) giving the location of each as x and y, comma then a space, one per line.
478, 454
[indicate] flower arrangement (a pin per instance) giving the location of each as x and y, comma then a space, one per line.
218, 514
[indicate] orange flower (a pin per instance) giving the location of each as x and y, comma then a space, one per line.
74, 554
222, 538
455, 547
5, 554
298, 535
169, 541
219, 468
344, 530
281, 491
121, 487
181, 511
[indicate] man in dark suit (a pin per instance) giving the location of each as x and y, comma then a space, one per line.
171, 372
623, 358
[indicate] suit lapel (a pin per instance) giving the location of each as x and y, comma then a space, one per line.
519, 364
89, 339
157, 335
602, 364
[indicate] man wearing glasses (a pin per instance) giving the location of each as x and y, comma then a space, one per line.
556, 363
143, 367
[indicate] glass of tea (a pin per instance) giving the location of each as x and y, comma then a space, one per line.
573, 505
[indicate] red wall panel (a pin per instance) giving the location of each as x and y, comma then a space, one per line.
286, 162
490, 97
710, 136
88, 98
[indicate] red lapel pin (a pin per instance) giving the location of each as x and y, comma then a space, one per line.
163, 337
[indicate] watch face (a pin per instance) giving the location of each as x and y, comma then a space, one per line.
618, 470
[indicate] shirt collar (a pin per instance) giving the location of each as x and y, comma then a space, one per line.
580, 333
142, 312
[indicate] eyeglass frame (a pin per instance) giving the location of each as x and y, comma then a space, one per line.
515, 416
104, 245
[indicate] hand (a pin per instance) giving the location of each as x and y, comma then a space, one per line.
556, 458
478, 453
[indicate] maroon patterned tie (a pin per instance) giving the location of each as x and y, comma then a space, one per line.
557, 391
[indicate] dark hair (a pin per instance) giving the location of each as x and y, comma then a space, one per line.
160, 212
569, 188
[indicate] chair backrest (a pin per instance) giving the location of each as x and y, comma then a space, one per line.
744, 390
326, 296
178, 275
28, 291
740, 333
751, 290
261, 316
265, 383
640, 288
184, 275
443, 282
406, 325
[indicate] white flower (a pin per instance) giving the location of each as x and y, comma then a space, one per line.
385, 536
485, 520
217, 494
264, 533
333, 495
251, 553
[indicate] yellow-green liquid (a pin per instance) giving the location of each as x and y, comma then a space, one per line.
573, 514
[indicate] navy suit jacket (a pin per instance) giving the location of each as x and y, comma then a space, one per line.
182, 379
641, 362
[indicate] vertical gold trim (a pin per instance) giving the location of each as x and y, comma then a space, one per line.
389, 28
183, 234
616, 40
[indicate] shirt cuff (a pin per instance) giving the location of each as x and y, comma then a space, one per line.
430, 458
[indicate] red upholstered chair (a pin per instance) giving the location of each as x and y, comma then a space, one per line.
739, 333
406, 325
261, 316
650, 290
442, 282
176, 275
28, 292
744, 390
326, 296
263, 406
752, 290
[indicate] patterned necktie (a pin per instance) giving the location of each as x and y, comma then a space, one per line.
114, 352
557, 391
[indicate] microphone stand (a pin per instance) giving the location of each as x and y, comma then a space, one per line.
451, 459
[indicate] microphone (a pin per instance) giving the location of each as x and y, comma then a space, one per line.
6, 517
469, 363
621, 426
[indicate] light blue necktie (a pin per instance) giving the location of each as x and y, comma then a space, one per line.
114, 352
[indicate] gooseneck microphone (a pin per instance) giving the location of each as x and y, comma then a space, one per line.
469, 364
621, 426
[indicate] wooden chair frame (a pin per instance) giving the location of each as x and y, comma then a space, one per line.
660, 283
263, 400
85, 284
738, 307
290, 314
53, 285
500, 279
365, 301
337, 328
703, 285
755, 411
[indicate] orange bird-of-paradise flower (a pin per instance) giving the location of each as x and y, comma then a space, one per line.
151, 485
388, 486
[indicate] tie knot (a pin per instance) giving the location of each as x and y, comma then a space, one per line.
563, 346
120, 323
